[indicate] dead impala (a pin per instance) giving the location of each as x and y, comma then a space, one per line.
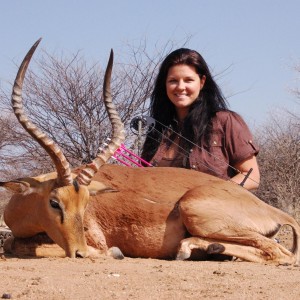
146, 212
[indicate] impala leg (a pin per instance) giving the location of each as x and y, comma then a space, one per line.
249, 246
230, 226
246, 253
271, 249
38, 246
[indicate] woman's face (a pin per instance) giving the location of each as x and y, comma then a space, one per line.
183, 86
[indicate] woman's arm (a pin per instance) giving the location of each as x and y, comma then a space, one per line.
253, 180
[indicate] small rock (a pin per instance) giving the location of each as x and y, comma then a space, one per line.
6, 296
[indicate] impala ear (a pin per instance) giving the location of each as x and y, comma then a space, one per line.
15, 186
96, 187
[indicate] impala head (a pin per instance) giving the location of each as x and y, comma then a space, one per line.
55, 203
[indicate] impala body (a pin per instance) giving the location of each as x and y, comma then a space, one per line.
145, 212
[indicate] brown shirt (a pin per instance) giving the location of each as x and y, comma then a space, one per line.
231, 142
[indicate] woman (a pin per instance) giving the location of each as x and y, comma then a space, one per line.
194, 127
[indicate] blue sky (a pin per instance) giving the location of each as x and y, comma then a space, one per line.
258, 40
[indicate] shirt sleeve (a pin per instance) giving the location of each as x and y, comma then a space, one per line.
238, 139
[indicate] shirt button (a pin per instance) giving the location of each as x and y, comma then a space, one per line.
214, 142
193, 167
191, 150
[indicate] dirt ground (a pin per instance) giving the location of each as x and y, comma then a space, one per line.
106, 278
135, 278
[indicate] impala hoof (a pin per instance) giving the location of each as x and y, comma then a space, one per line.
115, 252
215, 248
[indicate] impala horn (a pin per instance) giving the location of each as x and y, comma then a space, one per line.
62, 166
118, 136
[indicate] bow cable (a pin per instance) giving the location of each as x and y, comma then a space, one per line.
142, 122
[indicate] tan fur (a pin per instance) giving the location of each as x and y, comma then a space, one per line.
155, 212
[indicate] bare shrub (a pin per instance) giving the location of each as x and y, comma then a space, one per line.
11, 139
279, 161
62, 96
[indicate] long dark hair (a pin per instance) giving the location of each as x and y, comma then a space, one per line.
197, 123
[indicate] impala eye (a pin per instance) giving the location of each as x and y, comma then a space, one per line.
54, 204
